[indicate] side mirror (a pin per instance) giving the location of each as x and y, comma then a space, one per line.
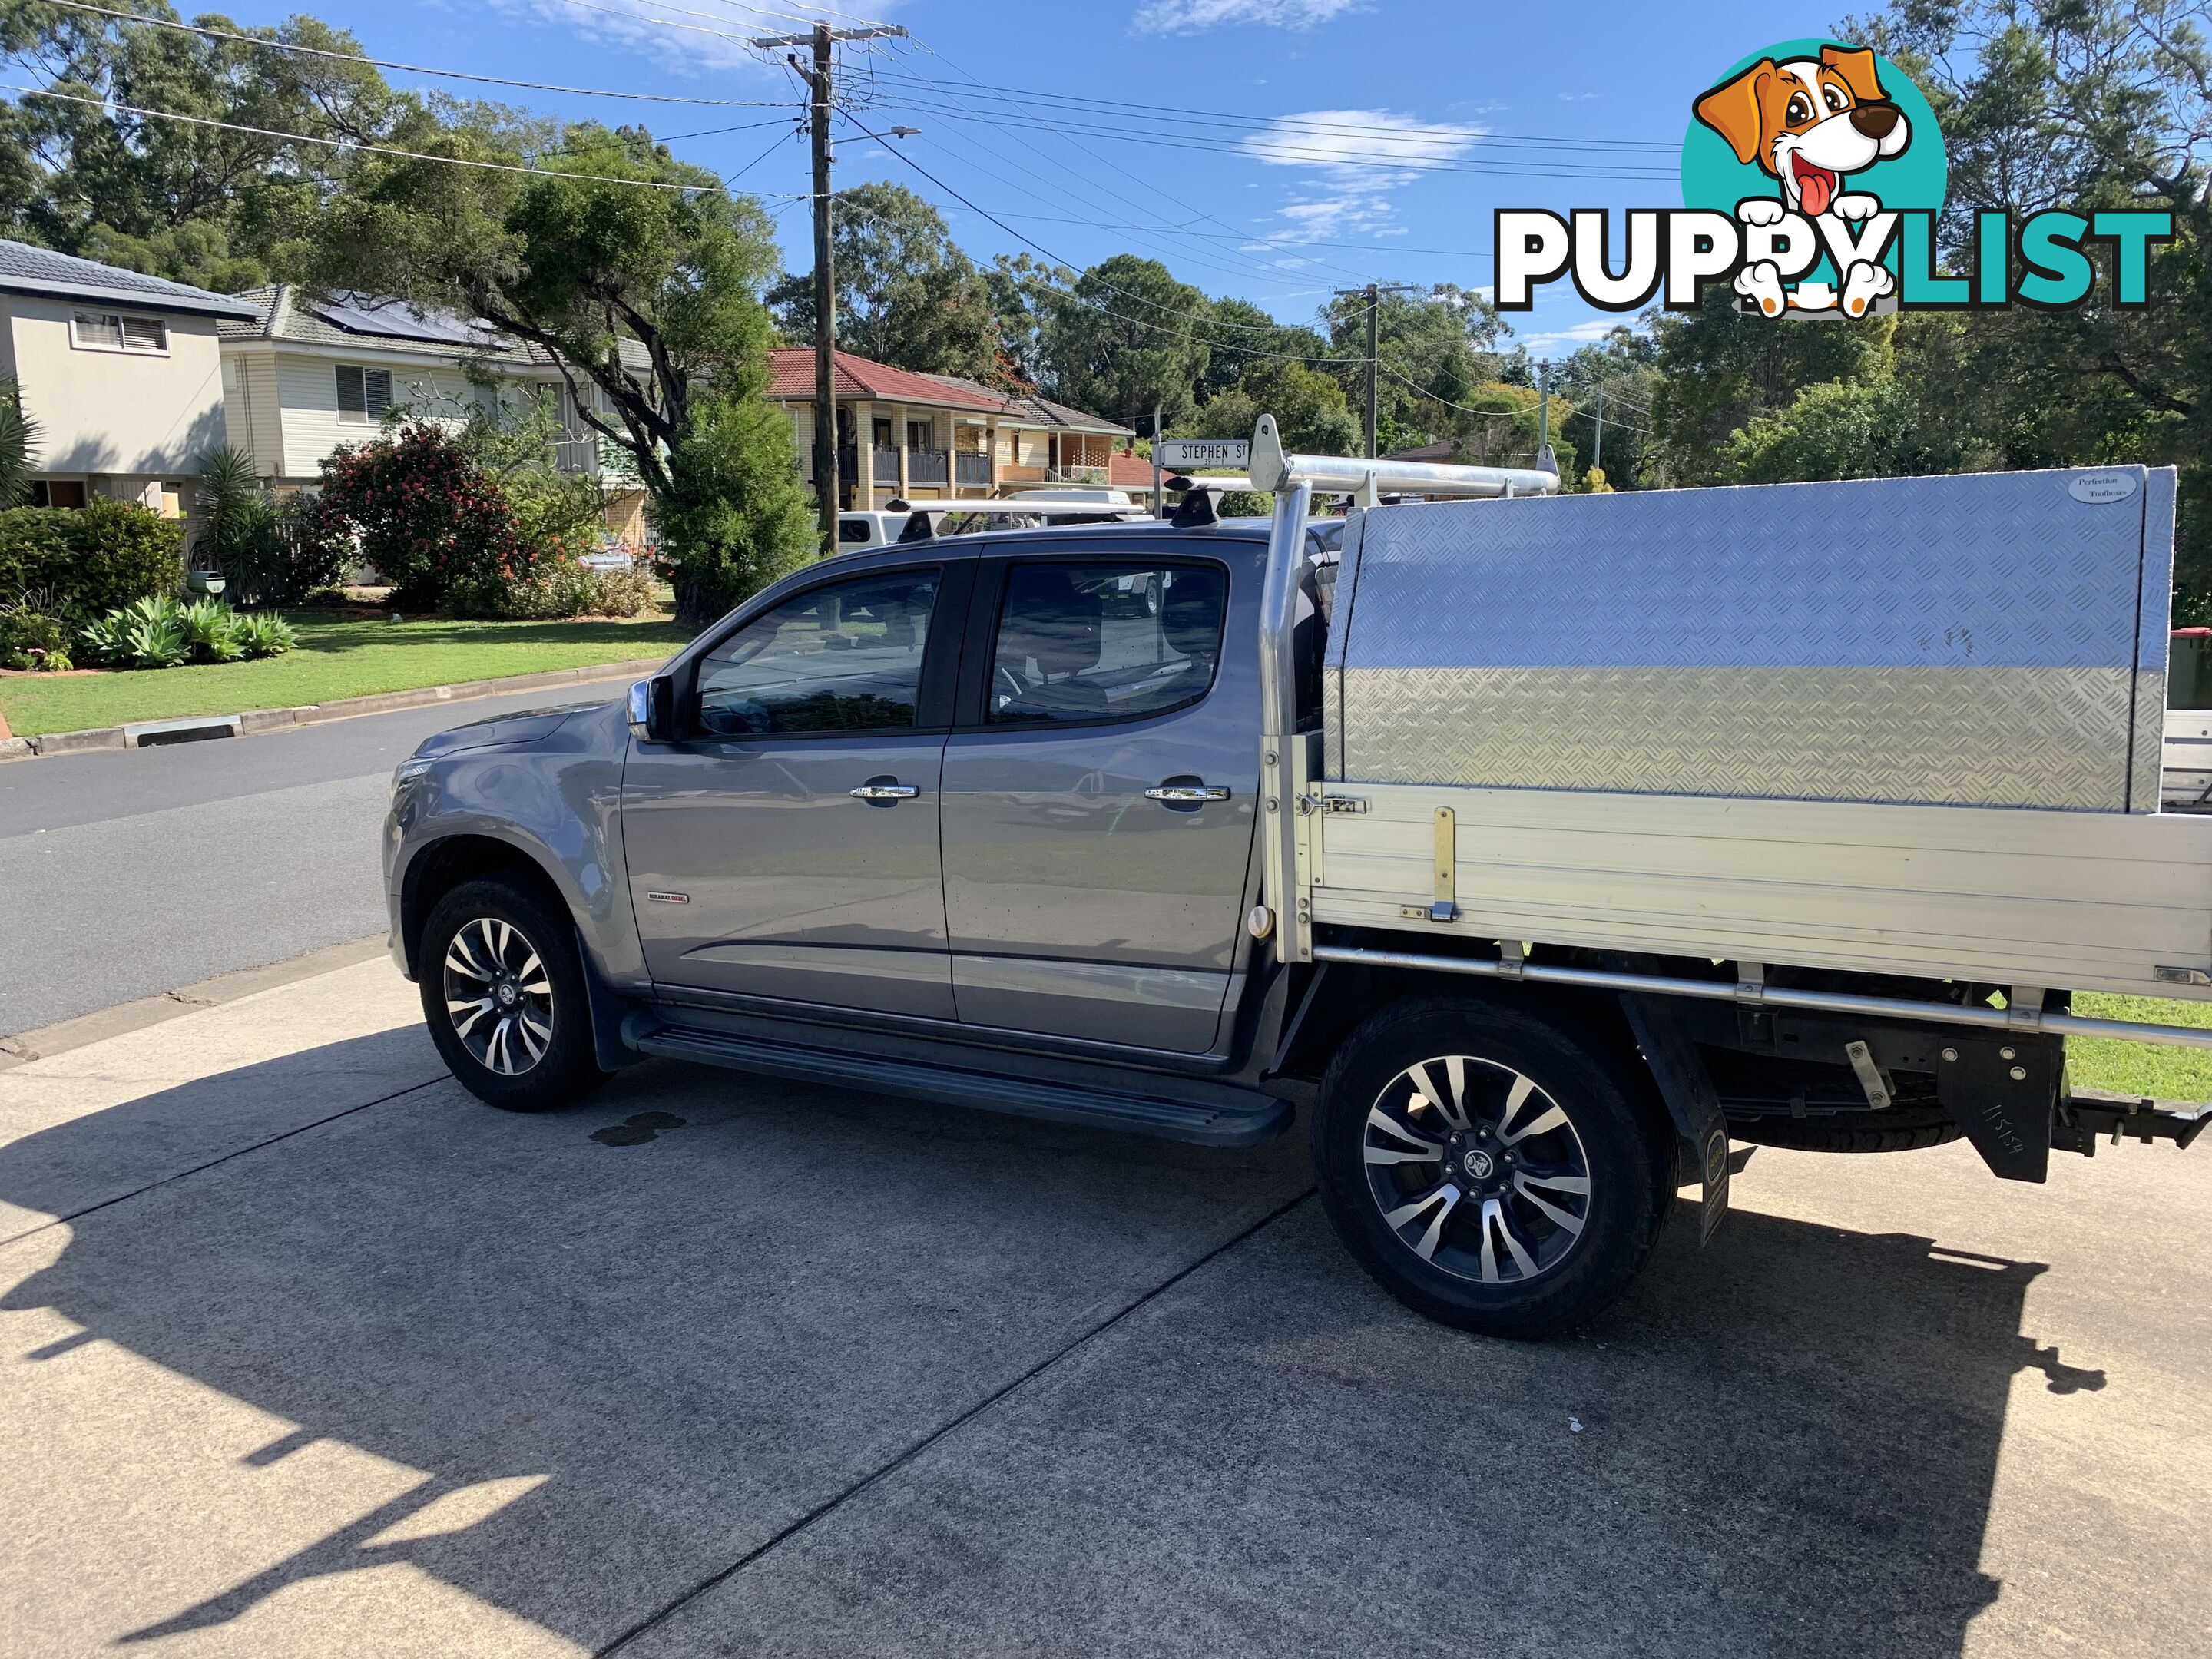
652, 710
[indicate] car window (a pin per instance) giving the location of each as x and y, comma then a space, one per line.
845, 657
853, 530
1104, 641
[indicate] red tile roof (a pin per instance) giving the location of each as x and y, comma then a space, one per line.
857, 377
1128, 471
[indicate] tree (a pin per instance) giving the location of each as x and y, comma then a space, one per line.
905, 295
1023, 292
1446, 331
1309, 407
1240, 338
648, 291
1124, 339
1718, 370
1620, 367
201, 204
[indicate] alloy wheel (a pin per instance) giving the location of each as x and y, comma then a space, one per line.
1476, 1169
498, 995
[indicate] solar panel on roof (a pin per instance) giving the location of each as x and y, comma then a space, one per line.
360, 314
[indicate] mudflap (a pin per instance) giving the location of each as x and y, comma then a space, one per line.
2003, 1091
1687, 1089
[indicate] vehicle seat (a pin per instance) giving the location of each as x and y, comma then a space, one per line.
1052, 633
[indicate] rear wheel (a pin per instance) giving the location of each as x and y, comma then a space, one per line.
1487, 1170
505, 999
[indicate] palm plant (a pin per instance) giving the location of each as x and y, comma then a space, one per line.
19, 444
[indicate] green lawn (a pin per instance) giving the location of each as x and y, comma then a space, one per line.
2136, 1068
337, 656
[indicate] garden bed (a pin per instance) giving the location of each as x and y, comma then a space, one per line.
339, 654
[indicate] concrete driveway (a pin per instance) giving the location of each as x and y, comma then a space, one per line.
304, 1351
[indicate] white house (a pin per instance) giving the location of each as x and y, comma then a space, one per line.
303, 376
122, 372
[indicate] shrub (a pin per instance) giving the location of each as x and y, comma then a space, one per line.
33, 634
625, 593
148, 634
426, 513
271, 552
157, 632
90, 559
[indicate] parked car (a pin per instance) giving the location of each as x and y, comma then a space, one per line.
1483, 831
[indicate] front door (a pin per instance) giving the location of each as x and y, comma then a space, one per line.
1099, 798
787, 848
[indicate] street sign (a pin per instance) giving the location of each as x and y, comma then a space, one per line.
1179, 453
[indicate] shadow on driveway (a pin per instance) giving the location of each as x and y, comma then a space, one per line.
625, 1367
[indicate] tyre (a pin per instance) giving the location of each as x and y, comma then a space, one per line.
505, 999
1898, 1129
1486, 1170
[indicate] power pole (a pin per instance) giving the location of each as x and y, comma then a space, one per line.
1373, 294
1597, 445
1374, 357
1543, 406
821, 90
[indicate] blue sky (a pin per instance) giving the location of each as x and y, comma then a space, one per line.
1395, 107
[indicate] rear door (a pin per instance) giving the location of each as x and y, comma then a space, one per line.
1100, 791
787, 848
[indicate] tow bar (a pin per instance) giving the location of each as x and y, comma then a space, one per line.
2085, 1116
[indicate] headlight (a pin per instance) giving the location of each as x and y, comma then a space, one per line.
409, 770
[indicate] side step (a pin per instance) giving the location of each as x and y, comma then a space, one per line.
1200, 1124
2094, 1112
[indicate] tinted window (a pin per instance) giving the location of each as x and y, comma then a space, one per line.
852, 529
846, 657
1105, 642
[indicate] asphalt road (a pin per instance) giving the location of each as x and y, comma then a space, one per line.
129, 872
303, 1351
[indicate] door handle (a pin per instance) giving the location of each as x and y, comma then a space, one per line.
886, 790
1181, 792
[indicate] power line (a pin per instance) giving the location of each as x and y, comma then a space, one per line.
368, 149
1184, 114
1246, 269
411, 69
1139, 322
1313, 158
964, 73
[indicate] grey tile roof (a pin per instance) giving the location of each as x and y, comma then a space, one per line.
283, 312
28, 269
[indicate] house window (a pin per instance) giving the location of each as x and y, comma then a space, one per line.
363, 394
919, 434
57, 492
111, 330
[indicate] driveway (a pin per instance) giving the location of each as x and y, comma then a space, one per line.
304, 1351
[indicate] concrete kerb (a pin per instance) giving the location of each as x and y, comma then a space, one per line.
136, 1016
251, 722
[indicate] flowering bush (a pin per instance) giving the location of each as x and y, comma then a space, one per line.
427, 513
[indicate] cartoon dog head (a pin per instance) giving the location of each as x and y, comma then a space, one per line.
1808, 121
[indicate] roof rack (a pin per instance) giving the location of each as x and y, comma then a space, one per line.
921, 524
1366, 480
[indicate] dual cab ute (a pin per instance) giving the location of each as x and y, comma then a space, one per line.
1533, 845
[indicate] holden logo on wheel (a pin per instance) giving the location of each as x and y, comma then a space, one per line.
506, 995
1478, 1165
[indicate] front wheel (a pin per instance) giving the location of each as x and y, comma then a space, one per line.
505, 998
1487, 1170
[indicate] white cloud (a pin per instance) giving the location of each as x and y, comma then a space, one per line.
1561, 341
689, 42
1191, 16
1357, 142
